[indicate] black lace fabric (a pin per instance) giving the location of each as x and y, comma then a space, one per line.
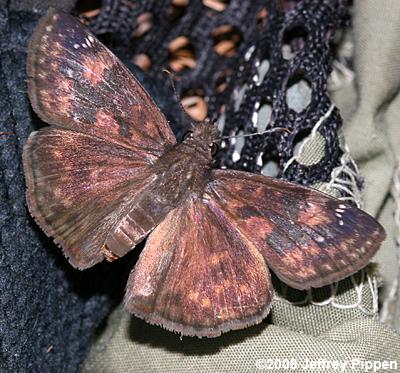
241, 57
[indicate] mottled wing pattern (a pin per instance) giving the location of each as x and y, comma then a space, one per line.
87, 173
308, 238
79, 188
76, 83
199, 276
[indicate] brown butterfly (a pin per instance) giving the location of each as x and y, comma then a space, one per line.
108, 172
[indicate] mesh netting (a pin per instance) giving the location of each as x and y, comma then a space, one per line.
247, 59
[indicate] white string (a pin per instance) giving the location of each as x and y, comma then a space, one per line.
256, 134
312, 135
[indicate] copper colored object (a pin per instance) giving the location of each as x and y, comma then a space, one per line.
107, 173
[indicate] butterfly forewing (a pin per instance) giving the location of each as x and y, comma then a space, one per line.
87, 173
308, 238
75, 82
199, 276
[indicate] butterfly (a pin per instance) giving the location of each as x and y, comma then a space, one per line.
108, 172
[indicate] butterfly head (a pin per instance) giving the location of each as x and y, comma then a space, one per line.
204, 136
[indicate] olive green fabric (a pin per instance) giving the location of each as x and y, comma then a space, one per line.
133, 346
328, 324
370, 106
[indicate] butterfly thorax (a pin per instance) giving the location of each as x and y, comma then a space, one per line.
184, 169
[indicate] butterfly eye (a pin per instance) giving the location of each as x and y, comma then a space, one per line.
188, 135
214, 148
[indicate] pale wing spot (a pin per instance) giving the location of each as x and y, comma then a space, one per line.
309, 272
49, 28
342, 206
147, 289
76, 46
311, 215
206, 198
341, 222
91, 38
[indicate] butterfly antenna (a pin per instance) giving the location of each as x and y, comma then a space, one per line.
178, 99
277, 129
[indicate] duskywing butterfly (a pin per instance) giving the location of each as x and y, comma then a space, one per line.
108, 172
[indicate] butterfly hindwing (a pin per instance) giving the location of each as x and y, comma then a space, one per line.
308, 238
79, 188
89, 172
198, 276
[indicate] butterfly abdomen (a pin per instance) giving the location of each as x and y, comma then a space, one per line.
144, 215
